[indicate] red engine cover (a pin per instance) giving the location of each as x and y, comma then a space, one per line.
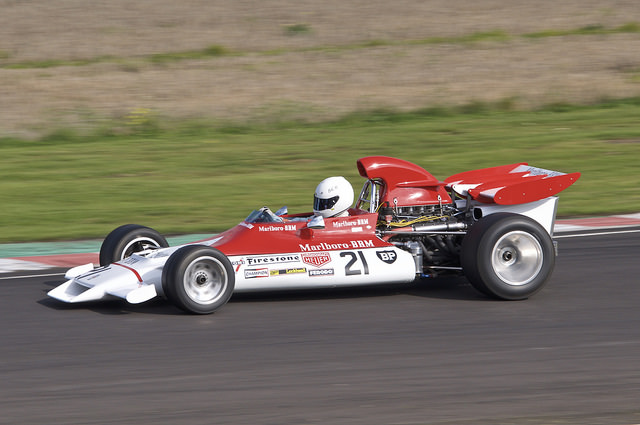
405, 182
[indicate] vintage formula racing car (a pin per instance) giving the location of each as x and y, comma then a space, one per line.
493, 225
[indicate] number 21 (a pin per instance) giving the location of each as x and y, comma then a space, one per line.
348, 269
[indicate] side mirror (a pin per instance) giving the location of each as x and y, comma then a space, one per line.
316, 222
282, 211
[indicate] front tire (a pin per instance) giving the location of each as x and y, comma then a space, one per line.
198, 279
128, 239
508, 256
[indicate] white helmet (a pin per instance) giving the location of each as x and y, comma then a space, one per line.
333, 196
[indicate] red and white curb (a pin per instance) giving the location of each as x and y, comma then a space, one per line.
44, 262
592, 223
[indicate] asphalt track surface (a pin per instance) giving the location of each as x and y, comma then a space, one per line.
433, 353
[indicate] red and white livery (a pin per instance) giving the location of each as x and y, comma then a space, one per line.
493, 225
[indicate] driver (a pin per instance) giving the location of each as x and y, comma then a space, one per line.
333, 197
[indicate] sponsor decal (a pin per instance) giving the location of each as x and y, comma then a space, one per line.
361, 244
388, 257
281, 272
323, 246
349, 223
273, 259
321, 272
93, 273
316, 259
253, 273
274, 228
237, 264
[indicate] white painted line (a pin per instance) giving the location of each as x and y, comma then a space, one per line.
30, 276
563, 228
636, 215
579, 235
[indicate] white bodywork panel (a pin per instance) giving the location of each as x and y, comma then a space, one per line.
323, 269
139, 278
542, 211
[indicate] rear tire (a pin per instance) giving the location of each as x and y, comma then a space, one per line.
507, 256
198, 279
128, 239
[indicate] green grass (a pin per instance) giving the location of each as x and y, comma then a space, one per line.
208, 52
595, 29
211, 51
205, 177
54, 63
297, 29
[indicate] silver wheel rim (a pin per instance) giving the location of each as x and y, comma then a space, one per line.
517, 258
205, 280
137, 245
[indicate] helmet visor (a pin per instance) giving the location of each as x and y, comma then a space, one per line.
320, 204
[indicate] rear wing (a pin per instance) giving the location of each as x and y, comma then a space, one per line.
510, 184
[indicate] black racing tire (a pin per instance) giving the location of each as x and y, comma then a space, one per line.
507, 256
198, 279
127, 239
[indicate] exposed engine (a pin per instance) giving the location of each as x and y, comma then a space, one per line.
432, 233
430, 218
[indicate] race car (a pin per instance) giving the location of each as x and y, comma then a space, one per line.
493, 225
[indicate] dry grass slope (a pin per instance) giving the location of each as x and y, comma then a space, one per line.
79, 64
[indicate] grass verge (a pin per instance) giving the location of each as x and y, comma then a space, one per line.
206, 177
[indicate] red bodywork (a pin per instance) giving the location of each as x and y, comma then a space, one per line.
411, 185
353, 232
405, 184
512, 184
